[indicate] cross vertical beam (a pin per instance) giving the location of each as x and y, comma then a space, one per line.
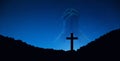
71, 38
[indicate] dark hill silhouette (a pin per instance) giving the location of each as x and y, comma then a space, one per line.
17, 50
104, 48
107, 47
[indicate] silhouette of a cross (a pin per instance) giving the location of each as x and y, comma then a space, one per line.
71, 38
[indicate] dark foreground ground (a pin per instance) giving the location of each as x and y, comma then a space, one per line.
106, 48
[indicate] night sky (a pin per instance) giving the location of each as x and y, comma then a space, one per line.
39, 22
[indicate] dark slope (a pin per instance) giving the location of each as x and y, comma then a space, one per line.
107, 47
17, 50
9, 43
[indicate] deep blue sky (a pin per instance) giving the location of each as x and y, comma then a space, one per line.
39, 22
